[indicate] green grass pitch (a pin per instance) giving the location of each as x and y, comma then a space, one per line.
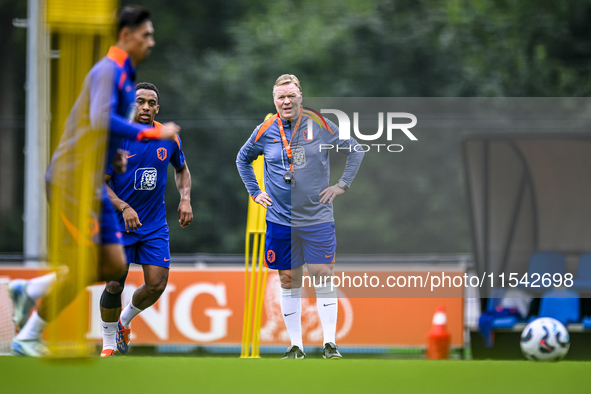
269, 375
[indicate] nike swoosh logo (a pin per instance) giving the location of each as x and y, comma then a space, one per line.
127, 157
165, 259
289, 314
328, 256
274, 140
334, 303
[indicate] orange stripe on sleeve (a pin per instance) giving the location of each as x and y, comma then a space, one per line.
122, 80
265, 126
153, 133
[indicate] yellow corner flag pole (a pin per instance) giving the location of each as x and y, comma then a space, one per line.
254, 286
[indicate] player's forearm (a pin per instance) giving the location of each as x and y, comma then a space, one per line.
118, 203
183, 182
120, 127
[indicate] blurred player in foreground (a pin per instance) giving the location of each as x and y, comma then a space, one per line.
97, 123
300, 221
138, 196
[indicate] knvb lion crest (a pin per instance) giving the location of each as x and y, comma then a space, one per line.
162, 153
299, 157
145, 178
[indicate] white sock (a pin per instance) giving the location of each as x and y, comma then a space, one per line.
33, 328
129, 313
109, 333
291, 308
328, 307
39, 287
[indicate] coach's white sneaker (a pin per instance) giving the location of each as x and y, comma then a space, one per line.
294, 352
29, 348
23, 304
331, 351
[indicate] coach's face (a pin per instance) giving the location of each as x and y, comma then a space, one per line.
147, 106
140, 42
288, 100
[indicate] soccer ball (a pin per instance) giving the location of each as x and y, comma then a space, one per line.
545, 339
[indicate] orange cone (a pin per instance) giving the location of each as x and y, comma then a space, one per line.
438, 339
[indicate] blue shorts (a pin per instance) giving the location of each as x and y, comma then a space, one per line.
151, 248
290, 247
110, 232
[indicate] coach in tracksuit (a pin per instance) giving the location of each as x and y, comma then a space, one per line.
298, 198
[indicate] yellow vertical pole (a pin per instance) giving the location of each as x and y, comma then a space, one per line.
255, 274
258, 307
82, 31
246, 318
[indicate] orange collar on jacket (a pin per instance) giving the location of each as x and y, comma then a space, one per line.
117, 55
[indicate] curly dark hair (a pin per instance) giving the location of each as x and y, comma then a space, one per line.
148, 86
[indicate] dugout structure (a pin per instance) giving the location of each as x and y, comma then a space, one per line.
528, 191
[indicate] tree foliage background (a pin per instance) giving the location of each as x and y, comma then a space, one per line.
215, 62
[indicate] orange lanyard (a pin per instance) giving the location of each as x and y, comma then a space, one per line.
284, 139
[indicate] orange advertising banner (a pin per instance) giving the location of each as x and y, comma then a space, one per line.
205, 306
